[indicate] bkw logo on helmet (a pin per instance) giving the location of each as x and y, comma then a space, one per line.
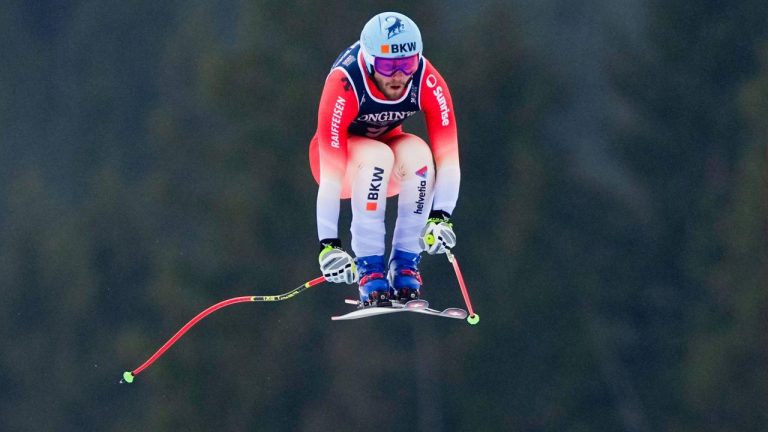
398, 48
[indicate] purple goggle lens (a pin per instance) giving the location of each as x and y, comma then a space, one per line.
388, 66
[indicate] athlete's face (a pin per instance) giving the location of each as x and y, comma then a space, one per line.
394, 86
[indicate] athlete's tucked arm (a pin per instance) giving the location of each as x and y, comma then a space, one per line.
338, 107
437, 105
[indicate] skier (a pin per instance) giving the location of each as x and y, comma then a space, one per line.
360, 151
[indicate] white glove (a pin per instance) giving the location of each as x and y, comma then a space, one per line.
437, 235
336, 265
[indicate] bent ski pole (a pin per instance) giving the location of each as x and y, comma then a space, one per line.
128, 376
473, 318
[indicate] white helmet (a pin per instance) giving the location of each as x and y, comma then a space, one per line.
389, 35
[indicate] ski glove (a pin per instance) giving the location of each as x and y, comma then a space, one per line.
437, 235
336, 264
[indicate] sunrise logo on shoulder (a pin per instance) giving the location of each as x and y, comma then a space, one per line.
431, 81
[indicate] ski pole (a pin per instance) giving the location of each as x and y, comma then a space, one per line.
473, 318
128, 376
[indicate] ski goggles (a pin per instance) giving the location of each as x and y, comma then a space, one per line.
388, 66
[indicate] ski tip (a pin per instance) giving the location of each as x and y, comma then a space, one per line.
455, 313
473, 319
416, 304
127, 377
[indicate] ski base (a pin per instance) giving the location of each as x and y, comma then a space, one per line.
416, 306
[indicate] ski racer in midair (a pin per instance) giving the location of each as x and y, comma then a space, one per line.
360, 151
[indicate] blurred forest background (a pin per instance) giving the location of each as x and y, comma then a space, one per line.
612, 225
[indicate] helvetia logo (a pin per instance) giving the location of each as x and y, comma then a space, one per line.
422, 172
422, 190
